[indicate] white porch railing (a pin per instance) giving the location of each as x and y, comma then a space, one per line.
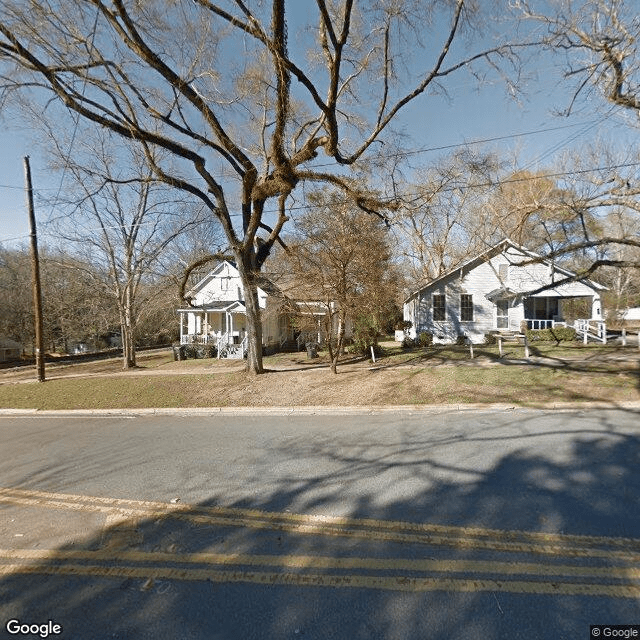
594, 329
544, 324
197, 338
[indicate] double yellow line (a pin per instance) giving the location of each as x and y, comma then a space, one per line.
618, 578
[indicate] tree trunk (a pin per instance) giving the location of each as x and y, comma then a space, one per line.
253, 313
127, 331
339, 344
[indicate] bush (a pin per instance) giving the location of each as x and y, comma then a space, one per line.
461, 339
425, 339
557, 334
490, 338
190, 351
408, 343
365, 334
211, 351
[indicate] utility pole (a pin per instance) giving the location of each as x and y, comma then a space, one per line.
35, 275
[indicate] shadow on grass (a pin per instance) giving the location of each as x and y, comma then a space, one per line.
510, 471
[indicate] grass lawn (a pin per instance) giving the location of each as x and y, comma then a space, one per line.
437, 375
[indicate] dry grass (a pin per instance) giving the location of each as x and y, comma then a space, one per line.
433, 376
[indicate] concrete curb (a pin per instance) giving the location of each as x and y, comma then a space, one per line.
322, 410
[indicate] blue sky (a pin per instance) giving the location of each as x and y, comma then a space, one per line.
528, 129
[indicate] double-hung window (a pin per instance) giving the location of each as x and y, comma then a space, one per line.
466, 307
438, 307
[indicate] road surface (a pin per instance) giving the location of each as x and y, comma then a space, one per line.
478, 524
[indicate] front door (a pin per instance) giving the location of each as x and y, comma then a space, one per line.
502, 314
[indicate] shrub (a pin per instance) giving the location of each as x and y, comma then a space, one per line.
461, 339
425, 339
408, 343
557, 334
211, 351
190, 351
490, 338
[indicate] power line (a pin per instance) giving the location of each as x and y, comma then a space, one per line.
410, 152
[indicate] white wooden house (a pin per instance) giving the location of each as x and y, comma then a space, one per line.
217, 315
496, 291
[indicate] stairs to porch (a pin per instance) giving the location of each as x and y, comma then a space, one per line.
231, 350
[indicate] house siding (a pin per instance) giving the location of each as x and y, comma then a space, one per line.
480, 277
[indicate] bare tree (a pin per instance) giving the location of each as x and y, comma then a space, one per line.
242, 114
340, 256
122, 220
439, 222
597, 40
73, 295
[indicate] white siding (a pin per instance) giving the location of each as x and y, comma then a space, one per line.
223, 284
478, 278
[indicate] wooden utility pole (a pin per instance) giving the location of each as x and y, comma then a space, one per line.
35, 275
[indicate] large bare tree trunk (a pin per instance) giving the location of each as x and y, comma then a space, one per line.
254, 315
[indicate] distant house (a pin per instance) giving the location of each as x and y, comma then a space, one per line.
9, 350
497, 291
630, 315
217, 315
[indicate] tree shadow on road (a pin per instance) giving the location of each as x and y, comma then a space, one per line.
501, 475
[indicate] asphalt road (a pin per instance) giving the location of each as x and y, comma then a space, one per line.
448, 525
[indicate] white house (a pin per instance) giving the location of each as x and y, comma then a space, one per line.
630, 315
217, 315
496, 291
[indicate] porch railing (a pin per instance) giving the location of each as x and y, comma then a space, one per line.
196, 338
544, 324
594, 329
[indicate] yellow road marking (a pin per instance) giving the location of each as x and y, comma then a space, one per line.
394, 583
381, 530
394, 525
325, 562
547, 578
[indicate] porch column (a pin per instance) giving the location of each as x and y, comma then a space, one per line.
181, 325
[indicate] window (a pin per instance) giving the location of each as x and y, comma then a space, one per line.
438, 307
466, 307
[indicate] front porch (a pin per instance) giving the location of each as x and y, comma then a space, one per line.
220, 324
548, 312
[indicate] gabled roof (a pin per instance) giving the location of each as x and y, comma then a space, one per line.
493, 251
210, 276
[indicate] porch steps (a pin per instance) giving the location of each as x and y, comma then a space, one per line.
232, 351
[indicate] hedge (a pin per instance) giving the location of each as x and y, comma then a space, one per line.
557, 334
